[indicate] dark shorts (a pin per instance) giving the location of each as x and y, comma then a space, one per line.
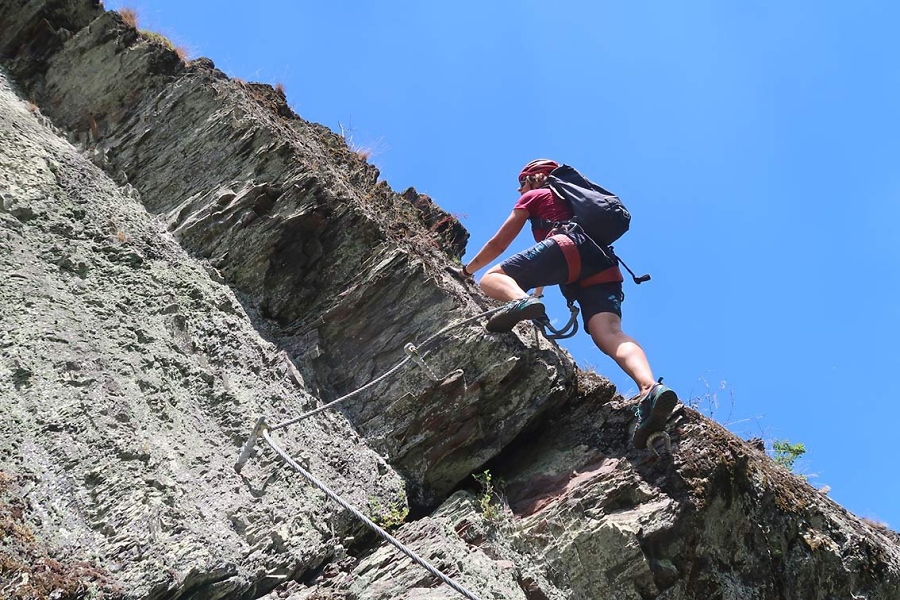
545, 264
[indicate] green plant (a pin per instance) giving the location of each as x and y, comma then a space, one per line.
391, 516
489, 500
785, 453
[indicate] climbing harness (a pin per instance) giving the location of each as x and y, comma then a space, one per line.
263, 430
573, 258
571, 253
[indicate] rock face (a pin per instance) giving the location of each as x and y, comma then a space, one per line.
181, 253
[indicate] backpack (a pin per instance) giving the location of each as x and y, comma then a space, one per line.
598, 211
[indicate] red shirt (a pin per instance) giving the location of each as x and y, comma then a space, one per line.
542, 203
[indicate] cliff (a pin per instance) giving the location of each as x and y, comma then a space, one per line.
181, 253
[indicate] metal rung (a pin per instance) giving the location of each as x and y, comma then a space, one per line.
250, 443
656, 436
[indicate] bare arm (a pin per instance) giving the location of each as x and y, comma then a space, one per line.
500, 241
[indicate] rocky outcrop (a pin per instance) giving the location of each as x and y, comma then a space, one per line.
180, 253
719, 520
127, 378
585, 517
302, 228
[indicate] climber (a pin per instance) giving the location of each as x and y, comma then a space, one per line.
598, 289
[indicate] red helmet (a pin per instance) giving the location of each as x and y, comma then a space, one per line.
540, 165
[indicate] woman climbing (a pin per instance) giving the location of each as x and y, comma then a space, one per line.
596, 285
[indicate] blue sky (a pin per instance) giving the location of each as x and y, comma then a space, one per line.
755, 144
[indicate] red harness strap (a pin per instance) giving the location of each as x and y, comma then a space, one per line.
570, 251
610, 275
573, 260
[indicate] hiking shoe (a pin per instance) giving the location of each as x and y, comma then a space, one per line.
516, 311
653, 412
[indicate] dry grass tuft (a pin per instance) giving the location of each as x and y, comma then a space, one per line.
279, 87
875, 524
129, 16
180, 51
363, 152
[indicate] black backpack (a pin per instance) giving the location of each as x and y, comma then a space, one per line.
598, 211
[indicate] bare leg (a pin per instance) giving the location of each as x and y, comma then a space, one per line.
500, 286
606, 331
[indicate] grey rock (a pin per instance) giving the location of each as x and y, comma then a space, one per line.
125, 399
252, 264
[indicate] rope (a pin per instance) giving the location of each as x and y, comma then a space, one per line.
305, 415
411, 355
381, 532
464, 322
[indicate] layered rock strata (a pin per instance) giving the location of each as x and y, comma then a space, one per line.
181, 252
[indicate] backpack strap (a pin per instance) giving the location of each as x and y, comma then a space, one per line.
637, 280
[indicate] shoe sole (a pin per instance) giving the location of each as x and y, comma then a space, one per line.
664, 406
505, 321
